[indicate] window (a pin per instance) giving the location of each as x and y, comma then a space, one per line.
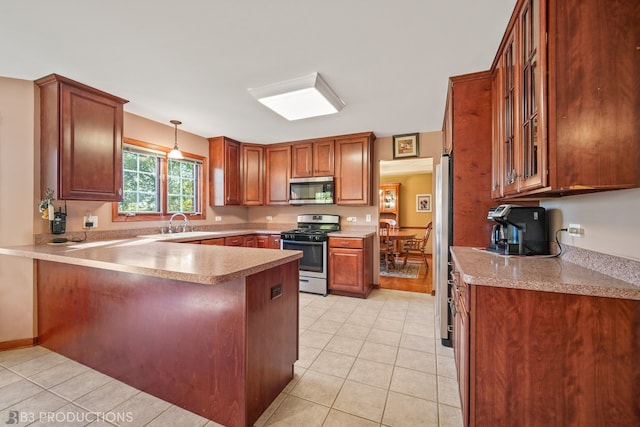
154, 187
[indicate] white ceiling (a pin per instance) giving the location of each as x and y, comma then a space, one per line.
406, 166
193, 60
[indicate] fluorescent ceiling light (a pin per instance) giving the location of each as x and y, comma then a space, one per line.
299, 98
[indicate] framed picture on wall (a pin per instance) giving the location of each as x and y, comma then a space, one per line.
423, 202
405, 145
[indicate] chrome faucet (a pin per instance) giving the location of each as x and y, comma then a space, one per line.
184, 225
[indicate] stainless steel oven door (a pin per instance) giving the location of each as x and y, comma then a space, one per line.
314, 257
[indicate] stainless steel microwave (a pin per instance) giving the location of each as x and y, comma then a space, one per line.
311, 191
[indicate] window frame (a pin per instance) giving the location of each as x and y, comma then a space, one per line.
164, 174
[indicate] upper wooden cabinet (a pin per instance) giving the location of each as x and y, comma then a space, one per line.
277, 168
80, 141
312, 158
467, 127
224, 172
252, 175
353, 155
564, 92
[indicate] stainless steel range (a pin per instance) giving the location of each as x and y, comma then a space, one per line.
311, 238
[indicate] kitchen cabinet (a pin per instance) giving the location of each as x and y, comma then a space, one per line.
313, 158
262, 241
460, 314
268, 241
389, 203
234, 241
80, 140
250, 241
225, 179
278, 171
563, 93
214, 242
274, 241
253, 175
350, 266
353, 157
543, 358
467, 128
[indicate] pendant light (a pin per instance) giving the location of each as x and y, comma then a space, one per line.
175, 153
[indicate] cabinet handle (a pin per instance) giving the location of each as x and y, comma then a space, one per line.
119, 191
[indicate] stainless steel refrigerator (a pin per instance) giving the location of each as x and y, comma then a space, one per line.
443, 239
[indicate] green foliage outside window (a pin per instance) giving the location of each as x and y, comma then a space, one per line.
181, 186
141, 174
141, 183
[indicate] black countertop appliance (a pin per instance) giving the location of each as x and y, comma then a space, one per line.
519, 230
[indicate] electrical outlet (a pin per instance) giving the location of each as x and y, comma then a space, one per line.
351, 219
575, 230
218, 218
269, 218
367, 218
89, 221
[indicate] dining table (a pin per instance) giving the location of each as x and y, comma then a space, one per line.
399, 235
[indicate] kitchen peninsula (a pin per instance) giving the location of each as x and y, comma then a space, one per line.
211, 329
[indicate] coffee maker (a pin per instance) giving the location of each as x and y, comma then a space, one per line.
519, 230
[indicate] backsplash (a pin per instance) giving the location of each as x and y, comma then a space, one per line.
98, 235
616, 267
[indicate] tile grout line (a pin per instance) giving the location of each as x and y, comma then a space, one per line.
58, 394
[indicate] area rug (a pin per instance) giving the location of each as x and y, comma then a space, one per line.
410, 271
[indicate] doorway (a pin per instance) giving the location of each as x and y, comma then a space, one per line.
405, 199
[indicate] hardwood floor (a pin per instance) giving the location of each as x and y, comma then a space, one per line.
423, 283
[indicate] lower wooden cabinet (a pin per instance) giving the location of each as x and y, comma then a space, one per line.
460, 314
234, 241
274, 241
214, 242
350, 266
538, 358
268, 241
250, 241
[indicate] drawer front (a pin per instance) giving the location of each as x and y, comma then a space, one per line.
346, 242
214, 242
234, 241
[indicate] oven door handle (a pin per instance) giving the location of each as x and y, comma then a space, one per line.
296, 242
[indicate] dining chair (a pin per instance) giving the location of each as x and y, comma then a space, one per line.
418, 247
387, 256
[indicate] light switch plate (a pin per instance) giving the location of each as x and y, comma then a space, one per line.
367, 218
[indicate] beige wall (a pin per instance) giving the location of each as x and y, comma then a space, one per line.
17, 207
410, 186
611, 221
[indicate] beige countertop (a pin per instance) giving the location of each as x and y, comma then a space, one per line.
151, 256
482, 268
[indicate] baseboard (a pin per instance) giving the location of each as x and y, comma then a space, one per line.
12, 345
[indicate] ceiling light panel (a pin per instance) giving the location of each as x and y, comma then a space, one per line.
299, 98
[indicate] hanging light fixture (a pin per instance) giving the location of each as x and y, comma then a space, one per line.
175, 153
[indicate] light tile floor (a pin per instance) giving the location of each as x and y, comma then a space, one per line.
373, 362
